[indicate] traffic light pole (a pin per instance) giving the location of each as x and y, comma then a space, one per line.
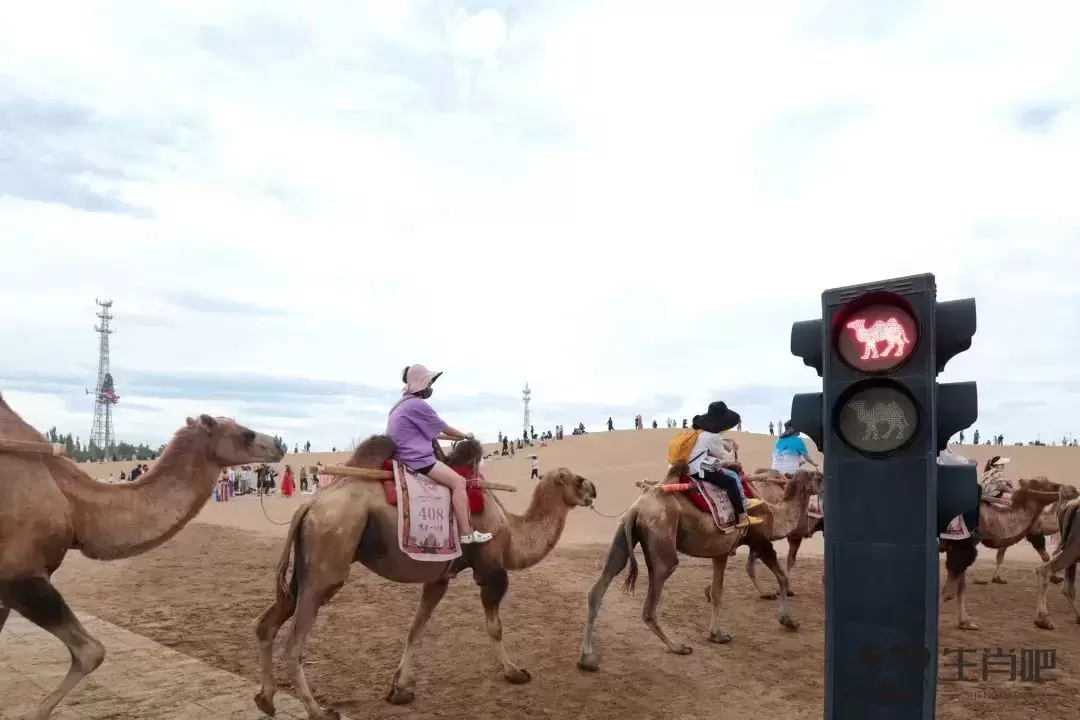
877, 422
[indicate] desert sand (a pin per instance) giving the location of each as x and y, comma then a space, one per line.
200, 593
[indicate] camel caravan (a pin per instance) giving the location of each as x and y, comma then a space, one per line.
411, 512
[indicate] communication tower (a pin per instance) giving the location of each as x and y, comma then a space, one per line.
526, 395
101, 432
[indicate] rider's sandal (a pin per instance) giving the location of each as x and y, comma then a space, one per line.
475, 537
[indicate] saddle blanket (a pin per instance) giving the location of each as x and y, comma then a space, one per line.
956, 530
814, 510
427, 529
719, 505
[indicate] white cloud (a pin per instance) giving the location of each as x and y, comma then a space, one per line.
624, 203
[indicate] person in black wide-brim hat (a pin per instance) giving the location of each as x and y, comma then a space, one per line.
710, 458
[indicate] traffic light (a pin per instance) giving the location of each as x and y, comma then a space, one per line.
881, 420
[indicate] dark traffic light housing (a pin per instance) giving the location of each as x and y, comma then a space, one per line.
881, 420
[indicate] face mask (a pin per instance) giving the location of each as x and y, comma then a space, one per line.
424, 394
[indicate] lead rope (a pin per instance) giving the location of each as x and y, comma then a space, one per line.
263, 506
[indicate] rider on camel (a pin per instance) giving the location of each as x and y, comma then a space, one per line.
711, 460
413, 426
994, 481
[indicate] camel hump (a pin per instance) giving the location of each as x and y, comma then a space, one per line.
13, 427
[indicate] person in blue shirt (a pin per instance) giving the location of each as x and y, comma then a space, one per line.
790, 452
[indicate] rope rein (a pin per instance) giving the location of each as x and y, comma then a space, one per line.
263, 506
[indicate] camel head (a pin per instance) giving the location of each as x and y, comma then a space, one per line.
1038, 491
465, 452
857, 325
229, 443
802, 485
1067, 493
576, 490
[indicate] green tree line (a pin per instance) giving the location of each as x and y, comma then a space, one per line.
79, 451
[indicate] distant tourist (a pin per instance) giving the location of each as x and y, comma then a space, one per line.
535, 475
610, 425
771, 428
288, 483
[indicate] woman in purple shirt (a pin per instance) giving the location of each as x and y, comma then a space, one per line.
413, 425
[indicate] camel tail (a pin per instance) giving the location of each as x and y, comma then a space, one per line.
292, 547
626, 544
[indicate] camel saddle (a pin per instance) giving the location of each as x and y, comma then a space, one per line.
472, 488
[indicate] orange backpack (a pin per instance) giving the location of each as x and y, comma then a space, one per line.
681, 446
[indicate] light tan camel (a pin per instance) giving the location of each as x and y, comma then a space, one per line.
667, 524
1001, 525
1045, 525
769, 485
351, 521
48, 506
1065, 558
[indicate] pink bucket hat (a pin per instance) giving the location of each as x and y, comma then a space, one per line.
417, 378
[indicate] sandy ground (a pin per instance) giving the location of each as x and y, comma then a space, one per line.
201, 592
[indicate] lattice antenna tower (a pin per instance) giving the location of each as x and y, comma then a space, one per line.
526, 395
101, 432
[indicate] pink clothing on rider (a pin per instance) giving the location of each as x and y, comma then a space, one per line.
413, 425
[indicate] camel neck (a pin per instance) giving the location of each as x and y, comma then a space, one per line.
534, 534
127, 519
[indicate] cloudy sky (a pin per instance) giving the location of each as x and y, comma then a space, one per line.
624, 203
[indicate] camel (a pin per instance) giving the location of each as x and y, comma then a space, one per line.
49, 505
667, 524
351, 521
1046, 525
1002, 525
769, 486
1065, 558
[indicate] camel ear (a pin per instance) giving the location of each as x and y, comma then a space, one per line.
191, 422
207, 422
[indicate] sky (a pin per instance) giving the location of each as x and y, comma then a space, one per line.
625, 204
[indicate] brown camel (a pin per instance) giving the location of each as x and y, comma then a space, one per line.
667, 524
1065, 558
49, 505
1002, 525
1047, 524
351, 521
769, 485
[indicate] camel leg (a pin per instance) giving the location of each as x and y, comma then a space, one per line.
401, 687
492, 592
998, 562
715, 593
616, 560
1070, 589
39, 602
751, 563
765, 550
963, 621
4, 612
307, 609
1039, 543
266, 629
661, 558
1057, 563
793, 545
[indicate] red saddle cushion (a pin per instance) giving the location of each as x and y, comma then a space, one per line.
694, 496
475, 493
